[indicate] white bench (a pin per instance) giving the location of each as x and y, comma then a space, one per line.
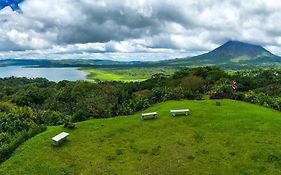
153, 114
182, 111
60, 137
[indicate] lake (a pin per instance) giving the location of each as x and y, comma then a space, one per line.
52, 74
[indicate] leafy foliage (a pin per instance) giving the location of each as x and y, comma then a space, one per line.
17, 124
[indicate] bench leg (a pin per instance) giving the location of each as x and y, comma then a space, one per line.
55, 143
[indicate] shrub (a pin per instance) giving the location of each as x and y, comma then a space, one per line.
69, 125
276, 104
140, 103
80, 115
52, 118
193, 83
250, 96
7, 149
4, 137
6, 106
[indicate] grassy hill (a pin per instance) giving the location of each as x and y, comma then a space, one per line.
235, 138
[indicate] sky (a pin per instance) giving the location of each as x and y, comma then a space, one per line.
133, 29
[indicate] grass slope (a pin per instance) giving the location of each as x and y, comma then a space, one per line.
126, 75
235, 138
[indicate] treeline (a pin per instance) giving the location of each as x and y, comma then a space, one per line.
29, 105
260, 86
56, 103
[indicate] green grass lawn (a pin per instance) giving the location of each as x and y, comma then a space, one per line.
126, 74
235, 138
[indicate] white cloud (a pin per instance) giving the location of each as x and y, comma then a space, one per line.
90, 28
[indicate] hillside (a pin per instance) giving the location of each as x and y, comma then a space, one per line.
235, 51
232, 55
212, 140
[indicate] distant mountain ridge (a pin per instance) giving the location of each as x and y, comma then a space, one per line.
65, 63
231, 55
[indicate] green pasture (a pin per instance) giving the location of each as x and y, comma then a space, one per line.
234, 138
126, 74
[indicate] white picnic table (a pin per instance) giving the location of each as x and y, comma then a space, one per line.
154, 114
182, 111
60, 137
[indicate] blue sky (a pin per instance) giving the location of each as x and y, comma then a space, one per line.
13, 4
133, 29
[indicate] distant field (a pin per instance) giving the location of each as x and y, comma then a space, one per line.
126, 74
235, 138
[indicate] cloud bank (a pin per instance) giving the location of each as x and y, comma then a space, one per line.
135, 29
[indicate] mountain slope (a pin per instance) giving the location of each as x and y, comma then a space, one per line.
233, 54
212, 140
233, 50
